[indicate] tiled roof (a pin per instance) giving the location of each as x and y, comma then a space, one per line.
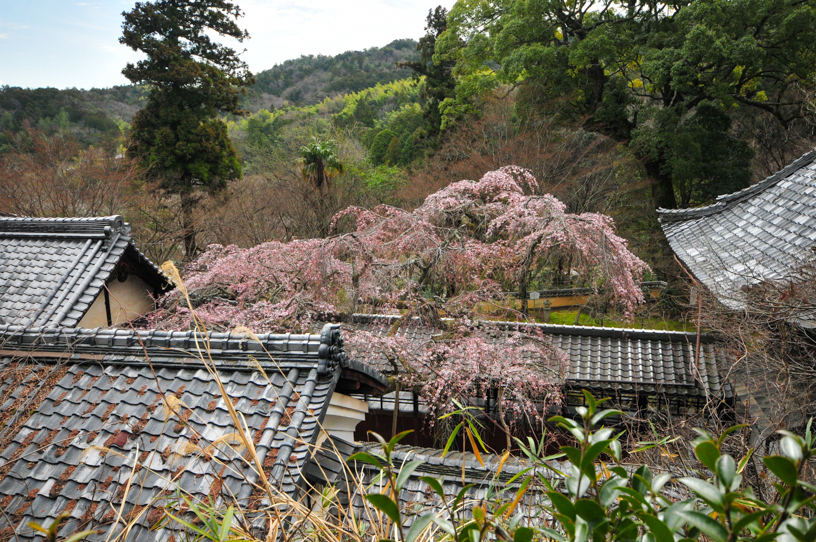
602, 359
763, 232
52, 269
67, 392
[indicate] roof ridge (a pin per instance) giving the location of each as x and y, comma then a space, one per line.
100, 226
724, 201
328, 345
566, 329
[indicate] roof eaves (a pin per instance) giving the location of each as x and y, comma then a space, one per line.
725, 201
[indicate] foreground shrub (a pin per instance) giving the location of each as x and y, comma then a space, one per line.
594, 495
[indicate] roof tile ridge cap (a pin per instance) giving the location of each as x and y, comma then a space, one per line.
725, 201
679, 215
141, 255
804, 160
597, 330
116, 223
60, 336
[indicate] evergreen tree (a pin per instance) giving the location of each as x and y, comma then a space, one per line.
392, 154
665, 79
439, 82
178, 135
379, 147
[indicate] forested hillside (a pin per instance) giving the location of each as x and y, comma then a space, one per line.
97, 115
309, 79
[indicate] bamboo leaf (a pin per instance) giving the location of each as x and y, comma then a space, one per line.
475, 448
406, 471
418, 526
385, 504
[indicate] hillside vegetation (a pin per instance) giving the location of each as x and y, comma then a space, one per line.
98, 115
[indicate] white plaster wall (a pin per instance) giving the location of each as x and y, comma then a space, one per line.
343, 415
128, 300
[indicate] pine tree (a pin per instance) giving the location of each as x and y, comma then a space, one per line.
178, 136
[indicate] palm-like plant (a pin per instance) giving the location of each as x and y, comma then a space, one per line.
320, 163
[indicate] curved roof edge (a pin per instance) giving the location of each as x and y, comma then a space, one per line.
725, 201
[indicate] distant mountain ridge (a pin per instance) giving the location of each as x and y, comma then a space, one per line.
309, 79
98, 114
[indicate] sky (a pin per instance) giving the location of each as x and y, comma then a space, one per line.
69, 43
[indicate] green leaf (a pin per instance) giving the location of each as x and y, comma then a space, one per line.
604, 414
366, 458
615, 449
610, 490
552, 533
446, 526
523, 534
464, 532
226, 524
710, 494
192, 506
660, 530
659, 481
730, 430
708, 454
747, 520
464, 490
589, 510
670, 516
406, 471
592, 453
799, 499
451, 439
642, 480
188, 525
379, 438
79, 536
706, 524
562, 504
783, 468
418, 526
398, 437
590, 401
744, 461
791, 448
726, 470
573, 454
637, 495
386, 504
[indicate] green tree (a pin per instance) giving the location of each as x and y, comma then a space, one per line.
320, 163
379, 147
364, 113
392, 154
178, 136
439, 82
652, 75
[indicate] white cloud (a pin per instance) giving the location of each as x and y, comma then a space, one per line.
3, 36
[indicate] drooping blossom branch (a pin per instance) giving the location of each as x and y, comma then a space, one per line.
468, 244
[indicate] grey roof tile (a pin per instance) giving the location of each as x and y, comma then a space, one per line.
50, 457
52, 269
761, 233
602, 359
